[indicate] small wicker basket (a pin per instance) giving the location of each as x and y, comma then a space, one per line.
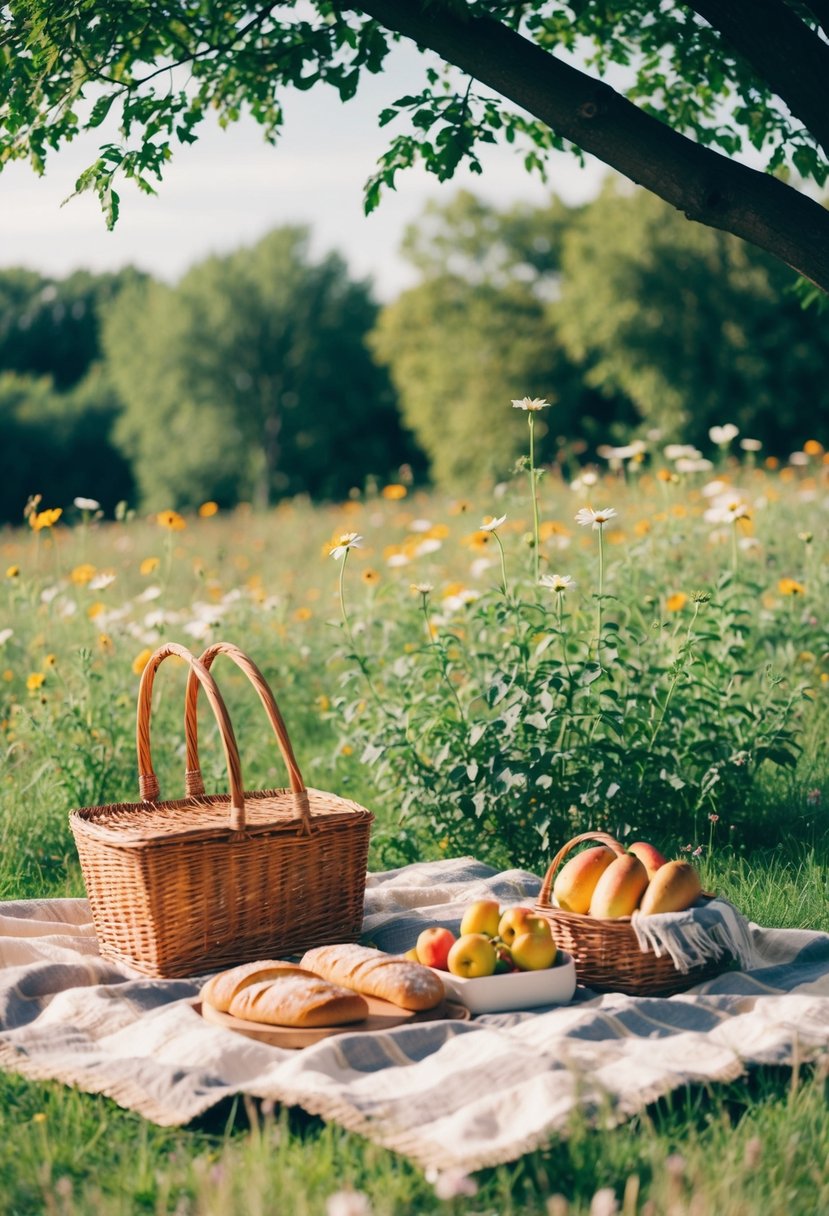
188, 886
607, 954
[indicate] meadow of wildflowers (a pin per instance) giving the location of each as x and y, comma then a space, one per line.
643, 646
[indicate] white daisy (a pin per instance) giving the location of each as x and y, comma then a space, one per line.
490, 525
557, 582
348, 540
532, 404
587, 516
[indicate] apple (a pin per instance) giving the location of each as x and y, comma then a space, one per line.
518, 920
484, 916
433, 946
472, 955
411, 955
534, 951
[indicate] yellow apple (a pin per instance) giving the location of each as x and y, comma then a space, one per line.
472, 955
483, 916
533, 951
411, 955
433, 946
518, 920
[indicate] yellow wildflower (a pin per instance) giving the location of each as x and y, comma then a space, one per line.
813, 447
50, 661
676, 602
303, 614
35, 681
790, 586
370, 576
12, 572
207, 509
8, 675
82, 574
95, 610
148, 565
45, 519
394, 491
171, 520
105, 643
141, 660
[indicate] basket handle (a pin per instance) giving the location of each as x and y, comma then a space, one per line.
194, 784
199, 673
602, 837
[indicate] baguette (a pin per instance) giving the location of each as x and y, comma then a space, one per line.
387, 976
220, 989
298, 1000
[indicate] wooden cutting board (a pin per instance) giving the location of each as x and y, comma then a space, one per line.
382, 1015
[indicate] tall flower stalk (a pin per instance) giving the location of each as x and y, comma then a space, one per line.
587, 517
492, 525
532, 405
340, 551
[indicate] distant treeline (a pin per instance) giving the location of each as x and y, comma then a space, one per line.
266, 373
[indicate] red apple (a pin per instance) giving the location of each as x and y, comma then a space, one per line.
534, 951
433, 946
518, 920
483, 916
472, 955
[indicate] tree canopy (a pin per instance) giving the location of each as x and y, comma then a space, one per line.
671, 95
250, 379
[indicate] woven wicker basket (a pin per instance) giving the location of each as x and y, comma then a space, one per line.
607, 954
189, 886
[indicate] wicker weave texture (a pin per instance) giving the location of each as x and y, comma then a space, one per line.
187, 886
607, 954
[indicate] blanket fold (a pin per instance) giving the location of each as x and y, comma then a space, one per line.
448, 1094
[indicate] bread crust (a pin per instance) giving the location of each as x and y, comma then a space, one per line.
298, 1000
387, 976
220, 989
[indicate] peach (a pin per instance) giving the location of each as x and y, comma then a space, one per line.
673, 888
433, 946
577, 878
649, 856
619, 888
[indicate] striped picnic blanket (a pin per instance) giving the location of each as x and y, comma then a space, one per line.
449, 1094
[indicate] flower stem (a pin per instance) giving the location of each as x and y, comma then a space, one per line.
533, 494
503, 566
361, 662
734, 550
600, 595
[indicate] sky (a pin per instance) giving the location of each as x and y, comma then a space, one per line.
231, 187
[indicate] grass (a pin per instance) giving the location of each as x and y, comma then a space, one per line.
757, 1146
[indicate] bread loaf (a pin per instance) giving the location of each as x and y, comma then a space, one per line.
220, 989
298, 1000
387, 976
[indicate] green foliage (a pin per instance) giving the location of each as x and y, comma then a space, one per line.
58, 444
154, 75
50, 327
476, 333
504, 735
692, 325
250, 379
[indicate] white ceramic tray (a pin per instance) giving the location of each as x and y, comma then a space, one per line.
516, 990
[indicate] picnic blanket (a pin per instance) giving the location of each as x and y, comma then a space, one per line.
449, 1094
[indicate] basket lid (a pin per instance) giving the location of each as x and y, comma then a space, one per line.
145, 824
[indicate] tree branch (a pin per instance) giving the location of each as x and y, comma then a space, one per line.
820, 10
705, 185
782, 49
